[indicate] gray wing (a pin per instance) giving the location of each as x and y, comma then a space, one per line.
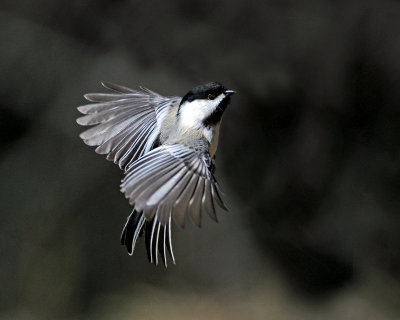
127, 122
170, 181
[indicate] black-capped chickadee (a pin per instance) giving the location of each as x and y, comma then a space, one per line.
166, 146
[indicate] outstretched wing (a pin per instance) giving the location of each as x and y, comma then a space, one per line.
169, 181
127, 123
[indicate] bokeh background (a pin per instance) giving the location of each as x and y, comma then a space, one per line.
308, 159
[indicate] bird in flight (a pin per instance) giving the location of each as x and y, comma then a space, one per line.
166, 147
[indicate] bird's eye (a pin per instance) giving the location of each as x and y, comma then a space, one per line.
211, 97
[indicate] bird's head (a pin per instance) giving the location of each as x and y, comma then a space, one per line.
204, 105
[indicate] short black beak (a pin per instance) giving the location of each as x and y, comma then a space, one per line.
229, 92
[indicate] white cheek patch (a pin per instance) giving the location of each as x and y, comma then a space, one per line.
193, 113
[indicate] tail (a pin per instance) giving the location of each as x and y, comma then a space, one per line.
157, 236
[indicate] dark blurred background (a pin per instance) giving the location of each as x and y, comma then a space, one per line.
308, 159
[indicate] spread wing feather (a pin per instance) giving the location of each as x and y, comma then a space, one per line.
170, 181
127, 122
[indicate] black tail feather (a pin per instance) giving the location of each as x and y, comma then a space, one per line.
129, 230
132, 229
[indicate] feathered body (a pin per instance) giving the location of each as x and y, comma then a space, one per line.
166, 146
